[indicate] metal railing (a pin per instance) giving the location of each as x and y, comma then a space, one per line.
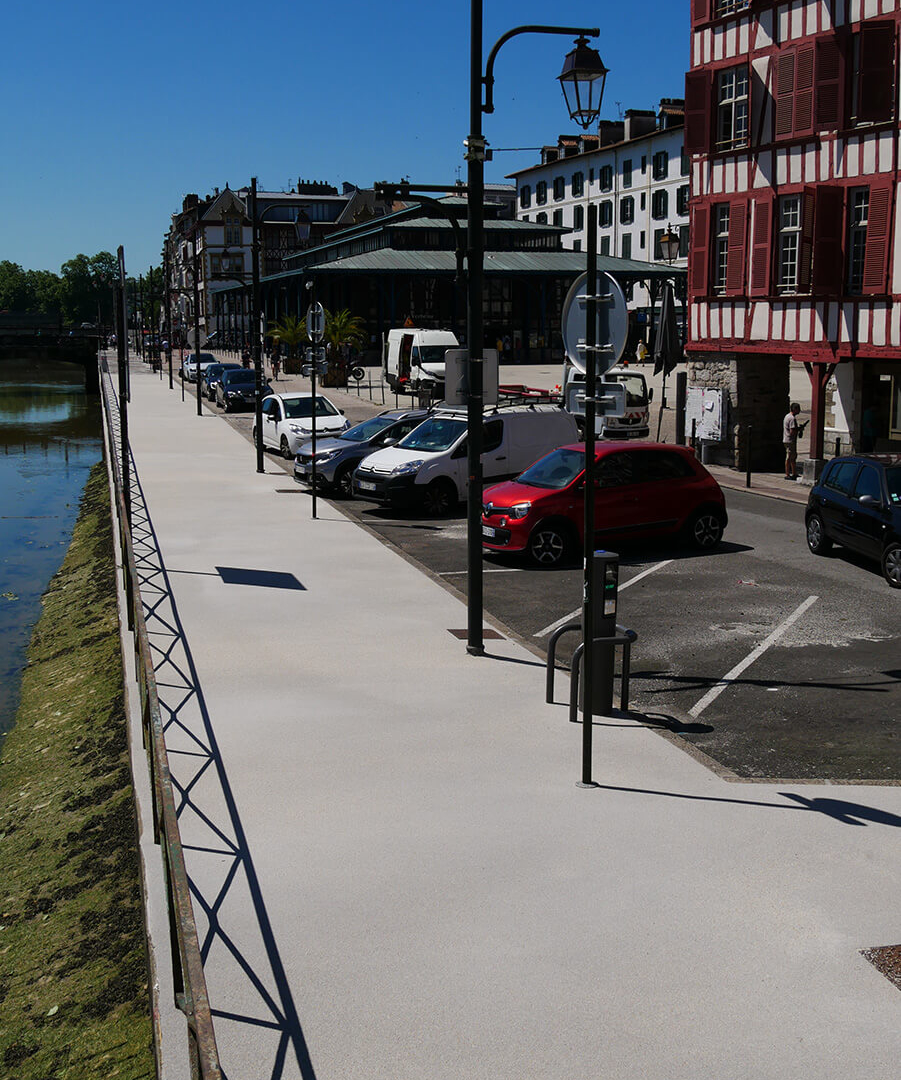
187, 966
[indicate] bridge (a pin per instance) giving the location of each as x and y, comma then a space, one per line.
34, 336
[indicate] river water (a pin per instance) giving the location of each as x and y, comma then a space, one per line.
50, 437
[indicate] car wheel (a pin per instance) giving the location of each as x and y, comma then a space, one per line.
704, 529
344, 480
891, 565
286, 449
817, 540
438, 498
549, 544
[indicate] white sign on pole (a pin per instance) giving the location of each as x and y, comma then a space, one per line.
456, 377
612, 327
316, 322
611, 399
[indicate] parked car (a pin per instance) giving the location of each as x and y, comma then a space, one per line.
288, 421
429, 466
641, 490
857, 503
210, 378
237, 389
337, 458
189, 365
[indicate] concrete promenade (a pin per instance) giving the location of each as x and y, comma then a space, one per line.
395, 876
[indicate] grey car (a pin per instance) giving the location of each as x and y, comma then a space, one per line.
211, 377
337, 458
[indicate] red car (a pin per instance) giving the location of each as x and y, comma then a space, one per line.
641, 490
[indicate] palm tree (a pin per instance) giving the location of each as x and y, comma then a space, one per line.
290, 332
341, 328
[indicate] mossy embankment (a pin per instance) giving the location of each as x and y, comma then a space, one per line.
73, 967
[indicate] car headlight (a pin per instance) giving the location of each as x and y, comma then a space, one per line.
407, 468
519, 510
328, 455
298, 430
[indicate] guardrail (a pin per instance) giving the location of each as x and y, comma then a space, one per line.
187, 967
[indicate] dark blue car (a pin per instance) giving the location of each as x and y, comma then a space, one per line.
857, 503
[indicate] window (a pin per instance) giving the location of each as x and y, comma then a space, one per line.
660, 165
232, 231
558, 217
541, 218
492, 435
729, 7
869, 482
654, 466
789, 242
606, 178
605, 214
841, 477
559, 188
577, 245
579, 217
605, 245
541, 192
614, 470
627, 172
643, 202
641, 240
732, 108
578, 184
627, 246
591, 176
644, 164
627, 210
683, 241
858, 216
525, 196
872, 58
658, 250
720, 248
684, 163
659, 205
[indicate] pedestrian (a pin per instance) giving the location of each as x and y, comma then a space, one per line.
275, 360
791, 432
245, 358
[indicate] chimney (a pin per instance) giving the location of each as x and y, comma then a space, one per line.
190, 201
639, 122
610, 131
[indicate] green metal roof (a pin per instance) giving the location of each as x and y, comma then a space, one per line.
549, 263
504, 225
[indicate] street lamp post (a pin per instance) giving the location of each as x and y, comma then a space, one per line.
582, 81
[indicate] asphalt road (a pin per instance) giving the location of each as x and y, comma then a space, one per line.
771, 662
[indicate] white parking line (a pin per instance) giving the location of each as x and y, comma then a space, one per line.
625, 585
714, 692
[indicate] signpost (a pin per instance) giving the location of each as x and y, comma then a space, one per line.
318, 363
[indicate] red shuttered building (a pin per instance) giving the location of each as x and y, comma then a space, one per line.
791, 120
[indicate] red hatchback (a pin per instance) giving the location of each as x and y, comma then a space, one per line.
641, 490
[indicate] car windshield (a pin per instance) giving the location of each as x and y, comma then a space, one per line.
557, 469
239, 377
432, 354
893, 483
636, 394
365, 431
205, 358
213, 370
436, 434
302, 408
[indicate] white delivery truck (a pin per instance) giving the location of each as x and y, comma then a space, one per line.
632, 421
414, 359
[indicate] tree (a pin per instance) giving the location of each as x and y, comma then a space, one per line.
290, 332
341, 329
86, 282
14, 294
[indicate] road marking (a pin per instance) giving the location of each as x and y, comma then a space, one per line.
625, 585
714, 692
510, 570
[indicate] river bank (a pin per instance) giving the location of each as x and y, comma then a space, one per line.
73, 966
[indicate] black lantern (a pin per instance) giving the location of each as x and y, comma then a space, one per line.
582, 78
670, 244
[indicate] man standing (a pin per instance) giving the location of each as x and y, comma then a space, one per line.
791, 432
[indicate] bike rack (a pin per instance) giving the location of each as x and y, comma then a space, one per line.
623, 637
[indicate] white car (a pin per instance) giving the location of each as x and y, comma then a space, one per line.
189, 365
288, 421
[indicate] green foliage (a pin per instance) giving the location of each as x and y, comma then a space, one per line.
28, 290
290, 332
86, 287
341, 328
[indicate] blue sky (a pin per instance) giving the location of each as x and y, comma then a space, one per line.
116, 111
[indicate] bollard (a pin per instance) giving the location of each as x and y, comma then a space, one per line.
838, 446
694, 435
748, 456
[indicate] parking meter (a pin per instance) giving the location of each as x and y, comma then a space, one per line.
606, 583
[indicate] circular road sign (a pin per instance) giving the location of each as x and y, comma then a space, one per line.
612, 322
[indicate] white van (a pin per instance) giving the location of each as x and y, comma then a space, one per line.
634, 422
428, 466
415, 358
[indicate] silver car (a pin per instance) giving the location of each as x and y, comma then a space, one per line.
337, 458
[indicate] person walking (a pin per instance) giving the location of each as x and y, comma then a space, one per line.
791, 432
275, 362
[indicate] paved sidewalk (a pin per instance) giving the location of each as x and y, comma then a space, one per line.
395, 876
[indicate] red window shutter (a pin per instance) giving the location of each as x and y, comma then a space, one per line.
875, 264
876, 86
828, 259
698, 250
700, 11
805, 251
735, 254
829, 95
803, 111
761, 246
785, 89
698, 93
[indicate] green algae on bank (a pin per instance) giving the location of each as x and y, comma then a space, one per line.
73, 964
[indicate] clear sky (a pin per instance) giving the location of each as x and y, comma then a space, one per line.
115, 111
